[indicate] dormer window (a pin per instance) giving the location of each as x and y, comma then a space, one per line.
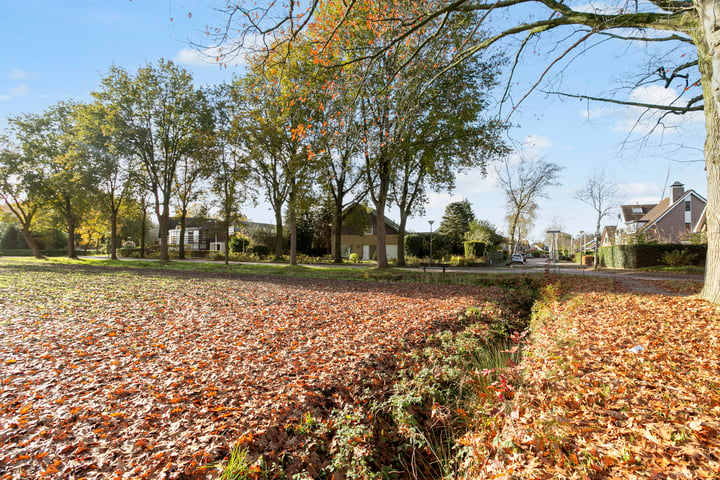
637, 210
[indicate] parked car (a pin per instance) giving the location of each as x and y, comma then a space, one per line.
517, 258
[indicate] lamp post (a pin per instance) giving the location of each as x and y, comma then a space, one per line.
431, 232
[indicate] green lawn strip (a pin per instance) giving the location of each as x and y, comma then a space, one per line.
334, 272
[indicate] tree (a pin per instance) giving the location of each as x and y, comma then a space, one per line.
188, 174
48, 141
455, 224
602, 195
20, 190
688, 28
157, 111
447, 136
486, 232
405, 144
111, 169
227, 166
273, 133
523, 184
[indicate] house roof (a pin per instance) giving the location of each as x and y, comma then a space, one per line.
633, 213
656, 211
609, 230
665, 206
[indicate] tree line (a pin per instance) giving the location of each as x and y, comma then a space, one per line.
293, 130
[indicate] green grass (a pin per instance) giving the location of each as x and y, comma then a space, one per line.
314, 271
667, 269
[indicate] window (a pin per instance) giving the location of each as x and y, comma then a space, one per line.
637, 210
687, 205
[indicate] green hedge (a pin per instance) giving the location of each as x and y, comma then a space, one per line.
474, 248
645, 255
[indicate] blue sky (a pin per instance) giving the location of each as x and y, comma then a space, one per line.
55, 51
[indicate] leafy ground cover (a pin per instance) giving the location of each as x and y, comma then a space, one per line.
616, 385
114, 373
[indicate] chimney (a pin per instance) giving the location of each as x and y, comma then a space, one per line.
677, 189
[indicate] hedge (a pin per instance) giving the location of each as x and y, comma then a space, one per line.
645, 255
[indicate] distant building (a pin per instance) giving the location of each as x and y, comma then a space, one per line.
363, 241
673, 220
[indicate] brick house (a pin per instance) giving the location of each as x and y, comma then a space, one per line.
361, 239
672, 220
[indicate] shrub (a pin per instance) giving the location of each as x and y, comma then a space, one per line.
261, 251
679, 258
354, 258
238, 243
474, 248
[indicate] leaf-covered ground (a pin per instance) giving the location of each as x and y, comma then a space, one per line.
106, 373
618, 385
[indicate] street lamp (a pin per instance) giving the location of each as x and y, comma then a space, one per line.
431, 224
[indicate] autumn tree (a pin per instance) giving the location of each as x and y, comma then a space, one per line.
335, 139
227, 166
48, 141
455, 224
684, 30
111, 167
158, 115
272, 131
188, 189
602, 194
20, 190
524, 182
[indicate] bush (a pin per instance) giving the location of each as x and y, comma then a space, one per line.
679, 258
261, 251
474, 248
354, 258
238, 243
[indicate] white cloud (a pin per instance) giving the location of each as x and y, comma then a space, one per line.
474, 182
18, 74
20, 90
4, 97
597, 112
642, 120
198, 58
536, 142
640, 192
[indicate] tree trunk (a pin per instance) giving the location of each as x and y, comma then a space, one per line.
143, 230
292, 224
30, 241
382, 261
164, 222
183, 228
338, 221
401, 238
226, 223
707, 41
278, 235
113, 235
70, 219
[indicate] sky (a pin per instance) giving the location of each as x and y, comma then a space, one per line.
55, 51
